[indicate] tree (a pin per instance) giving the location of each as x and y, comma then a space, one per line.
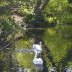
39, 6
58, 37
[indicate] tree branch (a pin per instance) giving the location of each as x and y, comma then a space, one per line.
5, 46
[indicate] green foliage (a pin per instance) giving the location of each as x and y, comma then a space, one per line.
24, 59
58, 38
58, 11
57, 16
4, 3
59, 42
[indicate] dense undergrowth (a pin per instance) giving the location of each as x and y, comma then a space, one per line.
56, 21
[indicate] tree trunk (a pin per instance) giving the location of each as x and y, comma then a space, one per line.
39, 7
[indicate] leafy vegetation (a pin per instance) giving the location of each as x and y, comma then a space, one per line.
49, 21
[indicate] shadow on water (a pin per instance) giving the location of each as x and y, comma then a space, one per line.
34, 33
37, 36
45, 69
40, 22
